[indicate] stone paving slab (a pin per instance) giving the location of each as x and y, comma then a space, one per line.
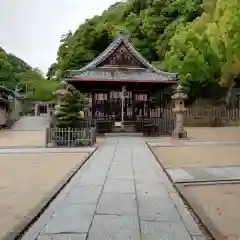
87, 194
164, 230
114, 227
63, 237
117, 204
218, 172
120, 188
235, 171
192, 143
151, 189
38, 150
179, 174
156, 209
71, 218
195, 174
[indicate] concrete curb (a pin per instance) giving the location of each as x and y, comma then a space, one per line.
22, 227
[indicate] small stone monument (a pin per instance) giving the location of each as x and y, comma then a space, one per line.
61, 91
179, 109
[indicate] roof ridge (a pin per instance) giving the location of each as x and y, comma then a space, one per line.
105, 54
139, 56
123, 37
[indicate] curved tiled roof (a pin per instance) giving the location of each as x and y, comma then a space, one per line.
10, 92
149, 71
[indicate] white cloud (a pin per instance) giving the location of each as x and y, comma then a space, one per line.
31, 29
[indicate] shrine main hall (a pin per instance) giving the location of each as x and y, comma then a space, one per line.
121, 83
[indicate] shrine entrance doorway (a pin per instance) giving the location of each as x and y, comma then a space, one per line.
109, 105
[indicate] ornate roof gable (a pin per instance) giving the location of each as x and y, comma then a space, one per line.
121, 58
121, 53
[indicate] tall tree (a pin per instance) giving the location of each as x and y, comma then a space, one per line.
198, 38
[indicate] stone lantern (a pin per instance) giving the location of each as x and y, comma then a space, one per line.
179, 108
61, 92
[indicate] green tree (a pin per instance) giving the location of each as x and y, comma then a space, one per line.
36, 87
52, 72
14, 72
198, 38
68, 114
207, 51
192, 56
6, 75
146, 21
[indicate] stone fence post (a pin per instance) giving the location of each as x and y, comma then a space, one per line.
36, 109
179, 109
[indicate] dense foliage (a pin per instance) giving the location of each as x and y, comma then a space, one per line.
69, 112
200, 39
17, 74
207, 50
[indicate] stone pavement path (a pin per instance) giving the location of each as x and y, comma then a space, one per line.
28, 123
28, 131
121, 193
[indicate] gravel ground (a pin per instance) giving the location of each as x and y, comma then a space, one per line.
203, 134
204, 155
25, 179
9, 138
198, 156
222, 212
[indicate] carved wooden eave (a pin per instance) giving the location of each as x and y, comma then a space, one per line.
121, 62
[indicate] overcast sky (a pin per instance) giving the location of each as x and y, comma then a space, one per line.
31, 29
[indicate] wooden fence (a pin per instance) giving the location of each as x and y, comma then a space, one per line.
198, 112
85, 134
155, 126
199, 116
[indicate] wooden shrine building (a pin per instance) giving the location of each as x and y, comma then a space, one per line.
120, 69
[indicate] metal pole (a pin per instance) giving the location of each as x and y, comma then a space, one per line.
122, 117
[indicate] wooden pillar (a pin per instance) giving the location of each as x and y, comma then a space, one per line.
133, 106
148, 104
160, 98
93, 104
108, 104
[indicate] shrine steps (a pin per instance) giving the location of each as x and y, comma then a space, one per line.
127, 128
123, 134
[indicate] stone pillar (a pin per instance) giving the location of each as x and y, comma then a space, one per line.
36, 109
179, 109
49, 110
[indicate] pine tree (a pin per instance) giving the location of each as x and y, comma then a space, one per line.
68, 113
